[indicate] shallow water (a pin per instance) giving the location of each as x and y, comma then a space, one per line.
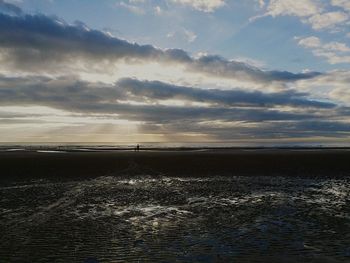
216, 219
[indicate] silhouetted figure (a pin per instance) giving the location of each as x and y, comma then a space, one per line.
138, 148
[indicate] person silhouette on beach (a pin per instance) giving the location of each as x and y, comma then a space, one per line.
138, 148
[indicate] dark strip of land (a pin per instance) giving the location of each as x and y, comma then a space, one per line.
27, 165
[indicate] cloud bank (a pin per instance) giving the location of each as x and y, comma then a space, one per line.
43, 57
217, 113
38, 43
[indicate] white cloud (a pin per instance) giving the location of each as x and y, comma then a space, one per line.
132, 8
202, 5
158, 10
345, 4
337, 46
312, 12
334, 52
191, 36
261, 3
327, 20
303, 8
183, 34
340, 94
136, 1
332, 85
250, 61
310, 42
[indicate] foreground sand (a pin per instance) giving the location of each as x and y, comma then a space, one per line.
175, 206
285, 162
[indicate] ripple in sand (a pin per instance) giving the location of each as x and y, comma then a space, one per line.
167, 219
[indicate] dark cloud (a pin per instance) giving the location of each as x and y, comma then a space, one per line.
232, 113
34, 41
10, 8
287, 129
156, 90
39, 42
14, 115
323, 125
218, 66
71, 93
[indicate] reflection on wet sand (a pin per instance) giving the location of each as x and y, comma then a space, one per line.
115, 219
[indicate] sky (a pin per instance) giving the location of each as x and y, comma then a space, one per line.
127, 71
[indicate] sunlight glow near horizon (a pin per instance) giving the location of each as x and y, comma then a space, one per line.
113, 79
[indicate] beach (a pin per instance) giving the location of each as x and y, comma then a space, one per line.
207, 205
57, 165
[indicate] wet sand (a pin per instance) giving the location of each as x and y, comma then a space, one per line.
166, 206
270, 162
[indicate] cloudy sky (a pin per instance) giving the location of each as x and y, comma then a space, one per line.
127, 71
